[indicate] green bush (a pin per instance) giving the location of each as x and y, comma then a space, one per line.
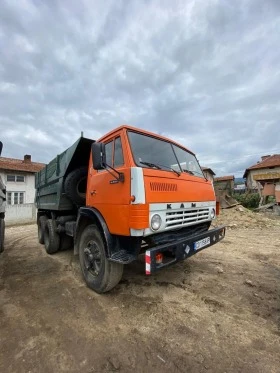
248, 200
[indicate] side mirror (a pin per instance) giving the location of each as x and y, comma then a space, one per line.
98, 155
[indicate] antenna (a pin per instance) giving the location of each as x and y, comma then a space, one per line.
82, 133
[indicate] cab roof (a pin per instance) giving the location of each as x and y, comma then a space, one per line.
135, 129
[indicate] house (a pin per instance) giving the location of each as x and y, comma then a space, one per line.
268, 169
19, 177
265, 176
209, 174
224, 183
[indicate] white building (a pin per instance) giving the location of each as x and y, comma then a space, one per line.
19, 177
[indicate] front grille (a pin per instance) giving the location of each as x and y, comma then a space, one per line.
186, 217
163, 187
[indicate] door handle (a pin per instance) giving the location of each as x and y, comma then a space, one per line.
93, 192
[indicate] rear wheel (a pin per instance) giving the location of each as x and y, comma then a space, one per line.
51, 237
99, 273
2, 234
41, 228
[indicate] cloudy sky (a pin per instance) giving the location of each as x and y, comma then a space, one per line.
203, 72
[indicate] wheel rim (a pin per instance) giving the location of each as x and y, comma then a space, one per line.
92, 258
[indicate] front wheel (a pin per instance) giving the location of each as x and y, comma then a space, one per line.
99, 273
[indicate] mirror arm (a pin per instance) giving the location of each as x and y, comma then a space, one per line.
120, 176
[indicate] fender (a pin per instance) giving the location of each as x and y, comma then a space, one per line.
89, 215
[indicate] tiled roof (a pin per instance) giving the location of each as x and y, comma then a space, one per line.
20, 165
269, 161
208, 169
224, 178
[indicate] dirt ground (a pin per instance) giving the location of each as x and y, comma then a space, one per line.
219, 311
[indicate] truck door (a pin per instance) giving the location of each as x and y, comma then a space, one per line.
108, 195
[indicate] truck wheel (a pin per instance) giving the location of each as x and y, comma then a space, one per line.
99, 273
2, 234
66, 242
41, 228
75, 185
51, 237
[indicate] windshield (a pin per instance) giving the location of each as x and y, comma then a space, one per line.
155, 153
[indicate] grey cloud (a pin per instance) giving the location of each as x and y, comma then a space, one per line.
205, 73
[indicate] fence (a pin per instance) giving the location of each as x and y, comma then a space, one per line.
20, 214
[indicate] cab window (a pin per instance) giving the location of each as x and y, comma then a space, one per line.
109, 153
118, 153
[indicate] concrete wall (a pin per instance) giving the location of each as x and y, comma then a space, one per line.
28, 186
20, 214
224, 184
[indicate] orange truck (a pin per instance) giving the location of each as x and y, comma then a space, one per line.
130, 193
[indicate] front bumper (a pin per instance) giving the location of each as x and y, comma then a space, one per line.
167, 254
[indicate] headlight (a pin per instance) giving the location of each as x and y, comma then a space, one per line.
212, 214
155, 222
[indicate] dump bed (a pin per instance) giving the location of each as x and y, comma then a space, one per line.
49, 182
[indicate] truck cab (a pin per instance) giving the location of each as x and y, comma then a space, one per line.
163, 187
144, 193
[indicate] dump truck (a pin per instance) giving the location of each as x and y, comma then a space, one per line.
132, 194
2, 208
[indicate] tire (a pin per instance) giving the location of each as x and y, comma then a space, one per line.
75, 186
66, 242
99, 273
2, 234
51, 237
41, 228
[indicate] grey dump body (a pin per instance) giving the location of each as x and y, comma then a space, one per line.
49, 181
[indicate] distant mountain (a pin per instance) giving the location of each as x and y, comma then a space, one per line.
239, 180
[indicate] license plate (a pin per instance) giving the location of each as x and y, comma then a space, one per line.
201, 243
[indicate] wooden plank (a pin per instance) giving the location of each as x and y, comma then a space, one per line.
264, 207
267, 176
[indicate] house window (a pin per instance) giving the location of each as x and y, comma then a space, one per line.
16, 178
15, 198
11, 177
20, 178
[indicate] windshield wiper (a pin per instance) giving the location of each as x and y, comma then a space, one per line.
151, 165
192, 172
159, 167
188, 171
